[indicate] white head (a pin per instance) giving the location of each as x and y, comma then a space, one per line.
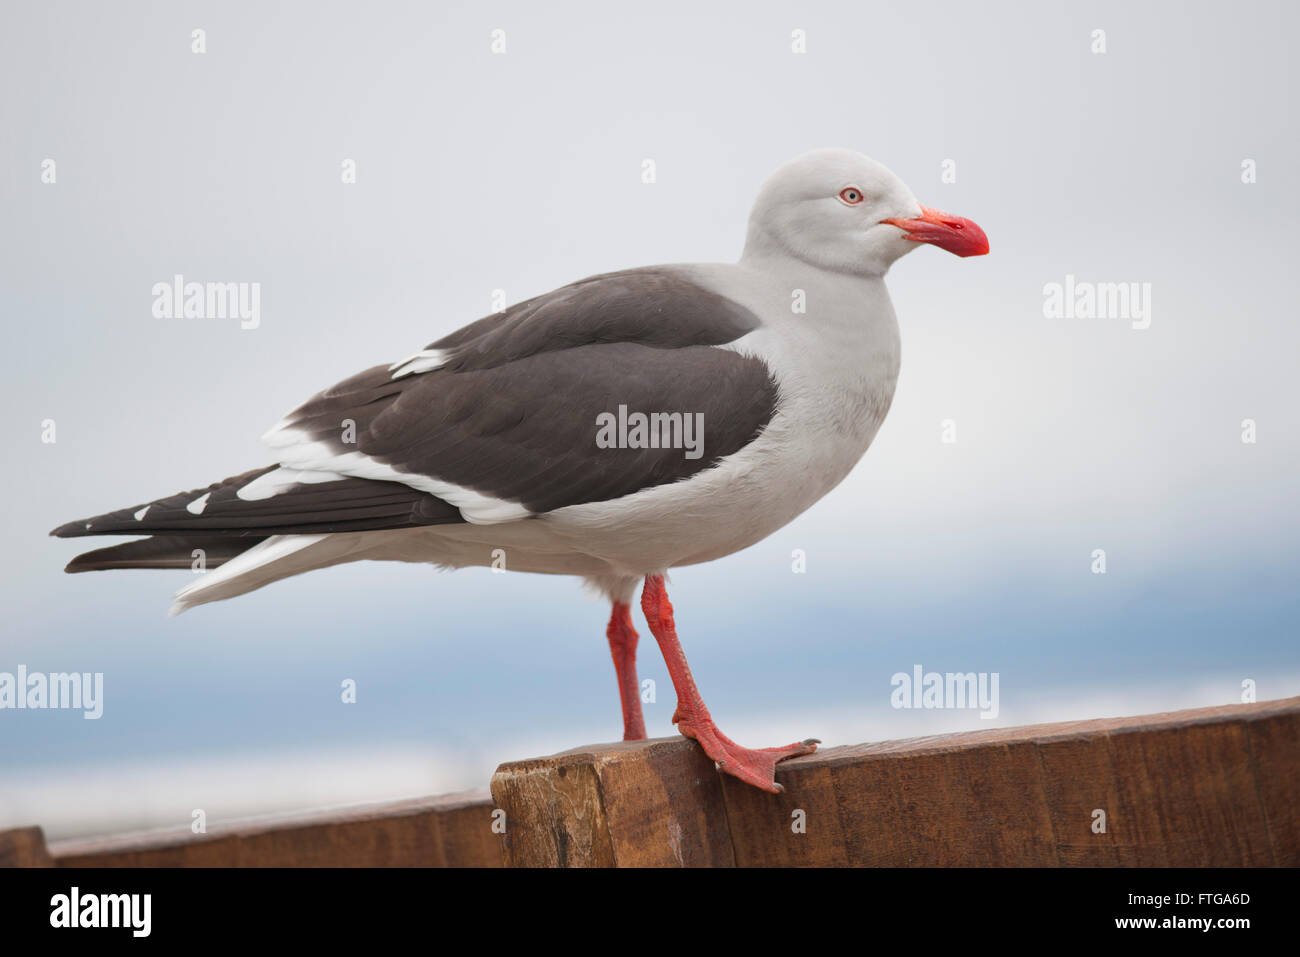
842, 211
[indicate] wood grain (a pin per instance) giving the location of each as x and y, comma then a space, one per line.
24, 847
655, 803
1209, 787
451, 831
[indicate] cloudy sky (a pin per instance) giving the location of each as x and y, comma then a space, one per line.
521, 171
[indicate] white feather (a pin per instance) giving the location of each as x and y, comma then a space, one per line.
297, 450
275, 482
246, 571
426, 360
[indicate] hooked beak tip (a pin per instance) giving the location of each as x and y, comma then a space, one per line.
956, 234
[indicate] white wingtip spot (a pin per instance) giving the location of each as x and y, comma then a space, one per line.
276, 434
139, 516
426, 360
277, 481
197, 506
316, 458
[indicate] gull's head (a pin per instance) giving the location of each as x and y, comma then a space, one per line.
840, 210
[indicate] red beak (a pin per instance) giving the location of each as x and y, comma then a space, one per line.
953, 233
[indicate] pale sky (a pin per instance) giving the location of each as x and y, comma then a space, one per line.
522, 171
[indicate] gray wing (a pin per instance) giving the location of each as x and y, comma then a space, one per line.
508, 407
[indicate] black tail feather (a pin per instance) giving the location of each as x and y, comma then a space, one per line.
341, 505
164, 551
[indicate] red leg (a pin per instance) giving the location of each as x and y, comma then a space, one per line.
756, 767
622, 646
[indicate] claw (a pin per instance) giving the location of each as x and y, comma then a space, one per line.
755, 767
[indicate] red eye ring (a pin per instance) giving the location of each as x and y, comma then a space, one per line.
850, 195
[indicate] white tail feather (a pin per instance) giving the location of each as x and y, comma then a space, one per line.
277, 557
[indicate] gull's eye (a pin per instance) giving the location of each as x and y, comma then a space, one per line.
850, 195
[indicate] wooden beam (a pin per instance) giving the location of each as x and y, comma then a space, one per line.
1215, 786
24, 847
450, 831
655, 803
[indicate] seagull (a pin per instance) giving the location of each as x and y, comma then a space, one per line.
613, 429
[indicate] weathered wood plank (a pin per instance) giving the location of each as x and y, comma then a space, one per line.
1186, 796
1274, 743
24, 847
465, 831
1213, 786
1208, 787
432, 832
655, 803
930, 802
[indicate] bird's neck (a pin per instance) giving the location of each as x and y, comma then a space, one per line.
764, 250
